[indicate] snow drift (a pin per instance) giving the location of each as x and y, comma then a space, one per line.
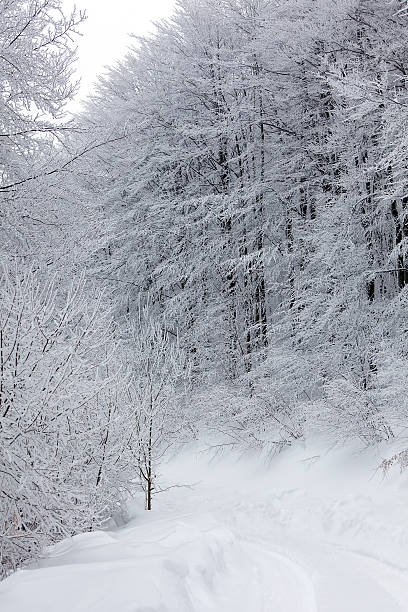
317, 530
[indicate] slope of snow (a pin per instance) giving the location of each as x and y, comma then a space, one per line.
318, 530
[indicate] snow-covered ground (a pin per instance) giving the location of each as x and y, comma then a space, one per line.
318, 530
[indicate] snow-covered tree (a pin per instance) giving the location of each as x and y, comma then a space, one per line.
156, 397
36, 78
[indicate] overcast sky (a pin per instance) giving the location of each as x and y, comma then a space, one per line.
106, 31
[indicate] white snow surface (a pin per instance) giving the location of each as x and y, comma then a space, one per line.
316, 530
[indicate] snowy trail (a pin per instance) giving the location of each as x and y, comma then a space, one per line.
336, 583
241, 540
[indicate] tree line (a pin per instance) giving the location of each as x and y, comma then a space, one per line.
215, 246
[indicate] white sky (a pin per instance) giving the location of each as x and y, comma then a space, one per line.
105, 32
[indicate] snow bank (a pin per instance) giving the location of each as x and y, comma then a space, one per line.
162, 565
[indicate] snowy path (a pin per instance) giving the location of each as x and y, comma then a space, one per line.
241, 540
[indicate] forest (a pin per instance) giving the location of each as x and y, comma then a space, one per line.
215, 247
